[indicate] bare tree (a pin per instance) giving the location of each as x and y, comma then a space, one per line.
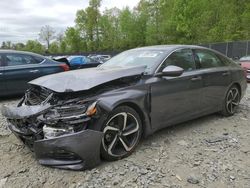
47, 34
60, 36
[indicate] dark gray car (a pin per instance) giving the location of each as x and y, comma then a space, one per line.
73, 119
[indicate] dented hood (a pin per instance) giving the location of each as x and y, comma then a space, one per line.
84, 79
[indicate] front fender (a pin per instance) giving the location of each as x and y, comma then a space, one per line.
111, 101
137, 99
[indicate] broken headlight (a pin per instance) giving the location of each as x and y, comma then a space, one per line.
65, 112
66, 119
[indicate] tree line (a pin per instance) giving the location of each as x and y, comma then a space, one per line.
151, 22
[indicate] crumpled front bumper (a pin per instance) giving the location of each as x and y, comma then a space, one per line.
76, 151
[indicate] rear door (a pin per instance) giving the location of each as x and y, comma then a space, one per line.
2, 83
19, 70
176, 99
216, 79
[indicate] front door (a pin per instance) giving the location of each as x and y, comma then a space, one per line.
176, 99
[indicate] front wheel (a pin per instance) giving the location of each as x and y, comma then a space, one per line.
231, 102
122, 132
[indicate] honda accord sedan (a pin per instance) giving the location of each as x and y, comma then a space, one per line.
72, 120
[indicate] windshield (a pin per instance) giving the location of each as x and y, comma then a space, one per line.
148, 58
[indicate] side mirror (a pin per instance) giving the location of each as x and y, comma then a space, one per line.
171, 71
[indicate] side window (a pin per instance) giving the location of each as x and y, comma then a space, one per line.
1, 61
181, 58
208, 59
38, 59
20, 59
89, 60
227, 61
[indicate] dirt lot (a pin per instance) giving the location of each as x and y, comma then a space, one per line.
212, 151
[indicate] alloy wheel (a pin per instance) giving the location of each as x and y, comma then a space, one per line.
233, 100
121, 134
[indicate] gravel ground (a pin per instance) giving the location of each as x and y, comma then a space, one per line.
212, 151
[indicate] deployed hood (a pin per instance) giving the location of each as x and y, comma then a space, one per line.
85, 79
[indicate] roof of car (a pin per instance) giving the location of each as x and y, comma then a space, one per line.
245, 58
168, 47
19, 52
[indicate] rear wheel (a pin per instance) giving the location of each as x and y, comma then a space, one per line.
122, 132
231, 102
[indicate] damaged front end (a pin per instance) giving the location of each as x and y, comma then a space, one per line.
56, 128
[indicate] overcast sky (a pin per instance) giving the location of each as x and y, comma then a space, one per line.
22, 19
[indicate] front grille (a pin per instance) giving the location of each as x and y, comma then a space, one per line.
36, 95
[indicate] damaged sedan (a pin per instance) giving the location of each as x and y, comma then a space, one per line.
72, 120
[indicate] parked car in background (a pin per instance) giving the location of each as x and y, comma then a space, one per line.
17, 68
106, 57
80, 62
100, 58
72, 120
245, 64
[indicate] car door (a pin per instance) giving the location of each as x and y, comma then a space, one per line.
19, 70
2, 82
176, 99
216, 79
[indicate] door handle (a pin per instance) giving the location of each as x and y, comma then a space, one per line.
34, 71
225, 73
196, 78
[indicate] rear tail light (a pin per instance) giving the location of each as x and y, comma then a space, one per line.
65, 67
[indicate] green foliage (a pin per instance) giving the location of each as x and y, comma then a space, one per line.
151, 22
54, 48
74, 42
34, 46
87, 21
164, 22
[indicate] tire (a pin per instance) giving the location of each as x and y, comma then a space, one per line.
231, 101
120, 139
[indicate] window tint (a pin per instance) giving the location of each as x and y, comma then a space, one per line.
20, 59
90, 60
227, 61
38, 59
181, 58
208, 59
1, 61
